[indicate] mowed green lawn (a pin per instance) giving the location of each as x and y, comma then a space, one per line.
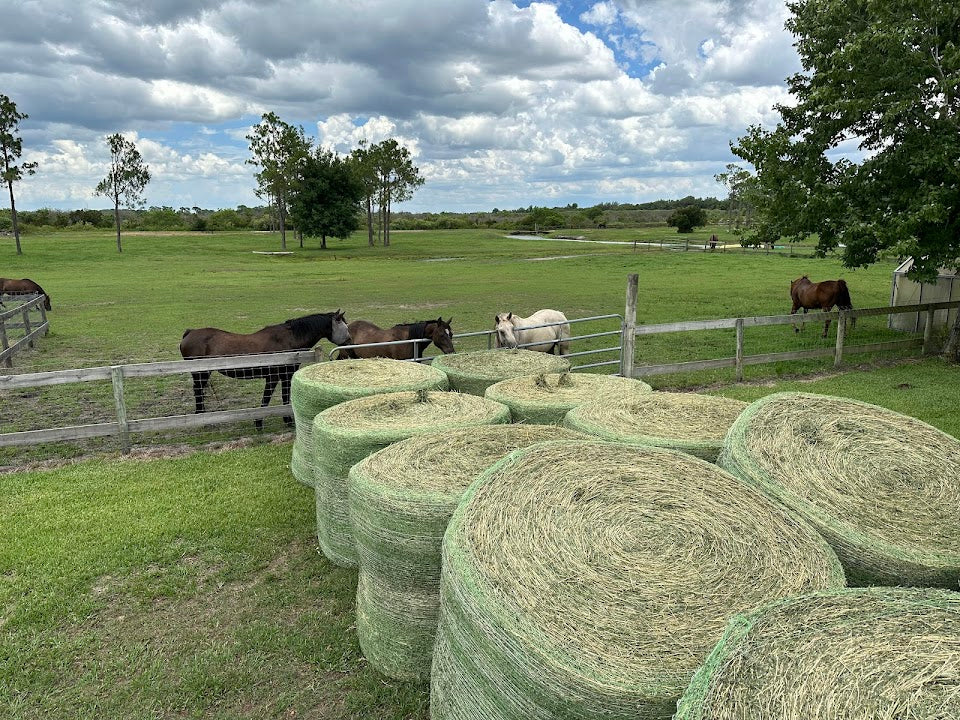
192, 586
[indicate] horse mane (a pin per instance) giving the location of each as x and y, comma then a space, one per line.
310, 325
418, 330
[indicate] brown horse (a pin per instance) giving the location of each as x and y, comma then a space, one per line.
24, 286
297, 334
824, 295
424, 332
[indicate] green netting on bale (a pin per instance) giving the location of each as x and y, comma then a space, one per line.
546, 399
474, 372
314, 388
591, 579
401, 499
881, 487
696, 424
859, 654
347, 433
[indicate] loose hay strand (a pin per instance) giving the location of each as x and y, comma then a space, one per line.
858, 654
883, 488
590, 579
316, 387
474, 372
546, 399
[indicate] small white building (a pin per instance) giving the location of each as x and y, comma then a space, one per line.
905, 291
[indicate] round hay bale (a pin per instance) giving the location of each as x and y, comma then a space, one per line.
591, 579
316, 387
545, 399
474, 372
881, 487
346, 433
863, 654
401, 499
693, 423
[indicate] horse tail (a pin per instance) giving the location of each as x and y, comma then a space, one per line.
843, 296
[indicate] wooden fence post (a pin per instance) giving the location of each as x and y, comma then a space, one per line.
4, 343
116, 376
739, 357
26, 325
628, 336
841, 336
928, 332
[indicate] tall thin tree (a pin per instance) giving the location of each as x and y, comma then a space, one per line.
11, 145
126, 179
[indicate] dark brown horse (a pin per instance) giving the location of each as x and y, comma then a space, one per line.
424, 332
824, 295
297, 334
24, 286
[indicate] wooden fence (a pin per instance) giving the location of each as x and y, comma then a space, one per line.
842, 317
16, 321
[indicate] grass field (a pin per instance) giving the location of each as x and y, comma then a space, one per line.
191, 586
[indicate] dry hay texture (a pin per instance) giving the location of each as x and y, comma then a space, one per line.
545, 399
474, 372
401, 499
591, 579
881, 487
347, 433
859, 654
314, 388
696, 424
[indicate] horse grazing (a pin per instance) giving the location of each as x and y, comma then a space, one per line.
24, 286
423, 332
824, 295
297, 334
513, 331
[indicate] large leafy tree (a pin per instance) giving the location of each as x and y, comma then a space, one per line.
323, 202
686, 218
11, 146
126, 179
278, 149
885, 77
388, 176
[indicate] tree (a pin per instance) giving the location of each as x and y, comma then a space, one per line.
325, 198
278, 150
126, 179
11, 145
885, 76
594, 214
686, 218
388, 175
540, 218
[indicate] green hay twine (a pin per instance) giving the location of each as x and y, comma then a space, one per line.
881, 487
863, 654
546, 399
347, 433
696, 424
316, 387
474, 372
401, 499
591, 579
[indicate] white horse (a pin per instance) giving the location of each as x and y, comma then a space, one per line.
513, 331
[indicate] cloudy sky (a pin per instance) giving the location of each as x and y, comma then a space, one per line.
502, 103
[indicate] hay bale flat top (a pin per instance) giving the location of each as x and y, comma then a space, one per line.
685, 421
367, 376
474, 372
611, 570
547, 398
443, 464
873, 480
864, 654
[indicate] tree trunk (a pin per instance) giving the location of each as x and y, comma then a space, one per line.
386, 223
281, 215
13, 218
116, 220
370, 220
951, 351
323, 242
300, 235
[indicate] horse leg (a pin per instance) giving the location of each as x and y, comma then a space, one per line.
268, 386
796, 307
285, 396
200, 380
826, 325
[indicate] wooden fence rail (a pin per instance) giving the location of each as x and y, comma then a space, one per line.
31, 331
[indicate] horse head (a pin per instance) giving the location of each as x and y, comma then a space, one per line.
339, 332
442, 335
505, 328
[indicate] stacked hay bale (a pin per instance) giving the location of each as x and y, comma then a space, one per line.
591, 579
346, 433
864, 654
881, 487
401, 499
546, 399
314, 388
474, 372
696, 424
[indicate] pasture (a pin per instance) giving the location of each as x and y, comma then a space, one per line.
191, 586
